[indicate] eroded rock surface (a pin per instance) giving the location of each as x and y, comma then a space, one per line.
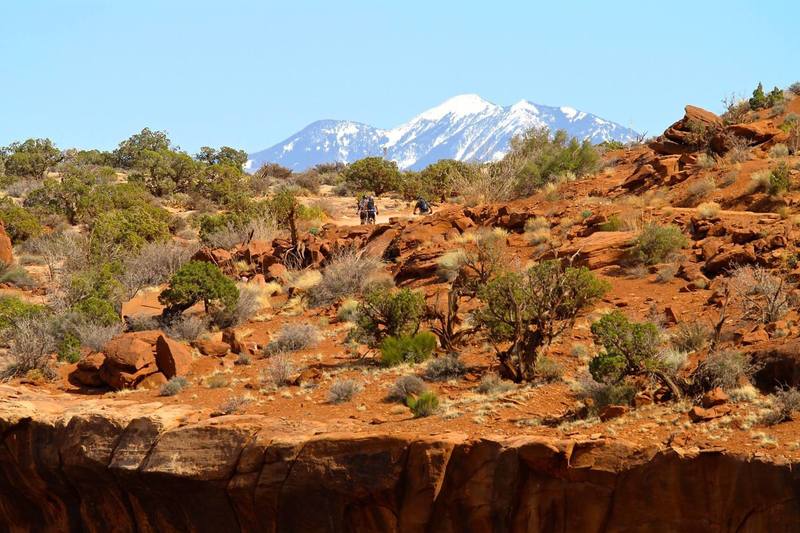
112, 465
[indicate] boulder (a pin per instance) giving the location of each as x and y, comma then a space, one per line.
701, 414
212, 347
613, 411
131, 351
714, 397
172, 357
778, 364
727, 259
600, 249
153, 381
6, 248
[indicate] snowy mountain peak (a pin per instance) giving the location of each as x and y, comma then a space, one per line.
465, 127
459, 107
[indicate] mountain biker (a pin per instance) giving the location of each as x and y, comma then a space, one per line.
362, 208
372, 209
423, 206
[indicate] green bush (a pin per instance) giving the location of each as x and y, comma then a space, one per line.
614, 223
779, 179
762, 101
630, 350
407, 348
69, 349
198, 281
385, 313
20, 223
655, 243
31, 158
12, 309
374, 174
524, 311
173, 386
423, 405
539, 158
127, 230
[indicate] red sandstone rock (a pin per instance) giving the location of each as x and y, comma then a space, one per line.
6, 248
172, 357
212, 347
714, 397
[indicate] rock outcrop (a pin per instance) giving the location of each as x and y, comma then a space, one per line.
101, 465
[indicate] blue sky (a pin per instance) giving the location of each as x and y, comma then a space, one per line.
88, 73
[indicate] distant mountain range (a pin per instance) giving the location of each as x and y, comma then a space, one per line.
465, 127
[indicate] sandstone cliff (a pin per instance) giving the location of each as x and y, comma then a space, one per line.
114, 465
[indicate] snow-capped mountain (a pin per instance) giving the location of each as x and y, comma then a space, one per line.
466, 127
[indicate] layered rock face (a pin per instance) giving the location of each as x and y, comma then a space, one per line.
102, 465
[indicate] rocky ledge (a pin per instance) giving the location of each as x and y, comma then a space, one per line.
115, 465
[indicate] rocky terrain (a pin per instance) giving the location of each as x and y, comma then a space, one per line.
700, 444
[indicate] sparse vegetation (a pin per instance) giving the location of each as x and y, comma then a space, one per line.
523, 312
405, 386
708, 210
761, 295
493, 384
198, 281
343, 390
173, 386
725, 369
423, 405
445, 367
388, 313
690, 336
407, 348
656, 244
346, 274
785, 403
294, 337
278, 371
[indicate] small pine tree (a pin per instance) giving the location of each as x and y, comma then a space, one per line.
759, 99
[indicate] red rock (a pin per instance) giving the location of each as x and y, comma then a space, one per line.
758, 132
673, 316
714, 397
212, 347
728, 259
699, 414
600, 249
258, 279
86, 377
613, 411
93, 361
255, 251
276, 271
753, 337
153, 381
6, 248
641, 399
131, 351
172, 357
307, 375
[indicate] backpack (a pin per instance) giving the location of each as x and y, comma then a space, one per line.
371, 203
423, 206
362, 204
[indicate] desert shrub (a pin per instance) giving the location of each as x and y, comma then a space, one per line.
690, 336
601, 395
493, 384
248, 304
672, 360
198, 281
614, 223
549, 370
779, 179
760, 100
444, 368
69, 349
708, 210
407, 348
348, 311
21, 188
699, 190
736, 110
278, 371
96, 293
525, 311
155, 263
374, 174
220, 231
173, 386
450, 264
122, 231
779, 151
343, 390
630, 349
294, 337
31, 158
346, 274
423, 405
485, 185
13, 309
760, 181
16, 276
405, 386
385, 313
232, 405
666, 273
19, 222
217, 380
655, 244
725, 369
706, 161
184, 328
537, 158
243, 359
795, 88
761, 295
31, 342
785, 402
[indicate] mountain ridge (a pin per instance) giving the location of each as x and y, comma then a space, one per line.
465, 127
